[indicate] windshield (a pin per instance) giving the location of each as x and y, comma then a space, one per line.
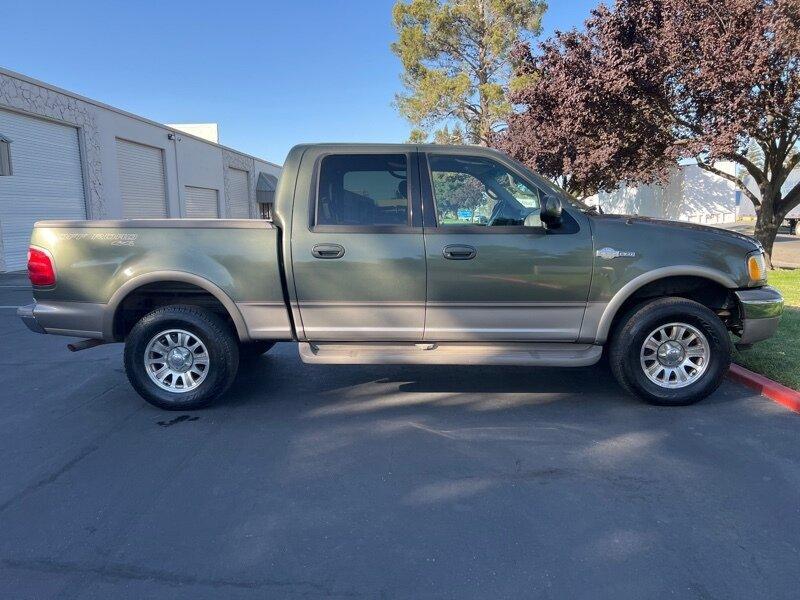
559, 191
553, 188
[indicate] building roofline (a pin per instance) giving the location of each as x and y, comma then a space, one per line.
51, 87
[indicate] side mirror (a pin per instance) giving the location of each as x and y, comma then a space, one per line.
551, 212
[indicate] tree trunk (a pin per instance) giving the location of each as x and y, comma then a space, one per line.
768, 220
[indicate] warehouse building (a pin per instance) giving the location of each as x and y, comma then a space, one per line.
691, 194
63, 156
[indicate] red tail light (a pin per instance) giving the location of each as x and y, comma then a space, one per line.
40, 267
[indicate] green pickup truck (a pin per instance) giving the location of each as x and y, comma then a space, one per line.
406, 254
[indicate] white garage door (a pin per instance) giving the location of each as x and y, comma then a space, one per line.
239, 194
46, 181
141, 181
201, 203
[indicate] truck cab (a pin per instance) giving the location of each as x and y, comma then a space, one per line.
446, 245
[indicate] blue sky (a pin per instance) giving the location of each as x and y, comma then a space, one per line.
272, 74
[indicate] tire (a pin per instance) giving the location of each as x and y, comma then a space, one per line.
252, 350
670, 361
207, 370
794, 227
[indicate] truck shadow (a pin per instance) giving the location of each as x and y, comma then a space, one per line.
280, 376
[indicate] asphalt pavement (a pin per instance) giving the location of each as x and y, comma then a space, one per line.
385, 482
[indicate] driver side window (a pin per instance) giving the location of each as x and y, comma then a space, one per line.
478, 191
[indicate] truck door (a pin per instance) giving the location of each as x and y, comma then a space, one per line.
358, 255
494, 272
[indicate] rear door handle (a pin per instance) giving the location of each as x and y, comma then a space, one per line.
327, 251
458, 252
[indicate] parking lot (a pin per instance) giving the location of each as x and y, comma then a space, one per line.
385, 482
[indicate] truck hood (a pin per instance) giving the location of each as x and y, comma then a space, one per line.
662, 224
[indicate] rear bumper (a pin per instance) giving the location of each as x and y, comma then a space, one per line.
761, 311
26, 314
78, 319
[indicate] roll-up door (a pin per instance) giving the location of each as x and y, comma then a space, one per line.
46, 181
239, 190
201, 203
141, 180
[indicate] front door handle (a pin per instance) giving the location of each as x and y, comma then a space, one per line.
458, 252
327, 251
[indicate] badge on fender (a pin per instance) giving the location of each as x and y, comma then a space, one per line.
610, 254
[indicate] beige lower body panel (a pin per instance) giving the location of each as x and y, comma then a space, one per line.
493, 322
266, 321
363, 321
591, 323
539, 355
78, 319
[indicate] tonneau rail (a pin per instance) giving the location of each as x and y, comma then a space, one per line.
160, 224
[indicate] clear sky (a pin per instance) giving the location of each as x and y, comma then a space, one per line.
272, 74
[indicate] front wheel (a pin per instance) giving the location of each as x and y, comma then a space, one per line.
181, 357
670, 352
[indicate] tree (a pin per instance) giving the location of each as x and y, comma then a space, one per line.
651, 82
455, 191
455, 60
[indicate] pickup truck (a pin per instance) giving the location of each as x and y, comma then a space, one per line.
406, 254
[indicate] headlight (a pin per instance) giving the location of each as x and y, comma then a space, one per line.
757, 267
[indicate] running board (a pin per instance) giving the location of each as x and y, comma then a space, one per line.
533, 355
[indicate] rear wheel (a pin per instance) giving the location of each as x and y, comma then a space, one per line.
181, 357
794, 227
670, 352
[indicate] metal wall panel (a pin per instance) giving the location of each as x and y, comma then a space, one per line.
239, 190
46, 181
141, 180
202, 203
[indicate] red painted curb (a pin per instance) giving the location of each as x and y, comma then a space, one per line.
766, 387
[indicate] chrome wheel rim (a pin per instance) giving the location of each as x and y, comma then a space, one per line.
675, 355
176, 360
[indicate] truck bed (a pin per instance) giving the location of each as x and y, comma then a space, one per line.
101, 263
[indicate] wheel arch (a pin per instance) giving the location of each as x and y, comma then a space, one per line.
135, 284
614, 308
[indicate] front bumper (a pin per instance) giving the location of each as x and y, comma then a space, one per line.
761, 310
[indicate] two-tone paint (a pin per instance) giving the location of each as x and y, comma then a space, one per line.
99, 263
392, 284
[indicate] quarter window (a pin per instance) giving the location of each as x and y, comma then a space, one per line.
479, 191
363, 190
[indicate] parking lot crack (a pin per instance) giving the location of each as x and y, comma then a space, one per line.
50, 478
126, 572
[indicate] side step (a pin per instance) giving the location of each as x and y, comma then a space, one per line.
451, 353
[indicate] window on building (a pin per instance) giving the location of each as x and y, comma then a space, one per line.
363, 190
5, 156
478, 191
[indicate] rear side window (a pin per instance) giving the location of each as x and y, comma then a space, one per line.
363, 190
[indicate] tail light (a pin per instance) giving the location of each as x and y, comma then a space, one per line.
41, 270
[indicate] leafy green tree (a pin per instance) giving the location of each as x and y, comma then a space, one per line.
455, 191
455, 56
